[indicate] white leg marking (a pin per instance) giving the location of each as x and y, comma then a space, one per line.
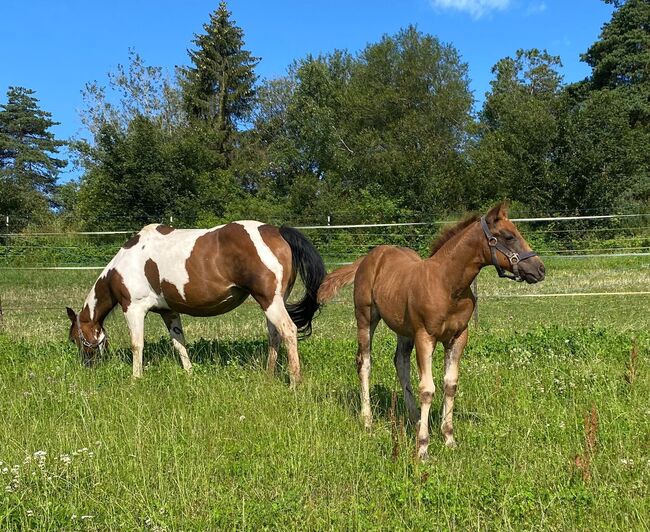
453, 352
424, 346
135, 321
277, 314
175, 327
274, 345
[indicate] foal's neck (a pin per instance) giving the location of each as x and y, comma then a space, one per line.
459, 260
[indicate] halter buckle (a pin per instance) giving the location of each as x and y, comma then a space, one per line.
492, 241
514, 258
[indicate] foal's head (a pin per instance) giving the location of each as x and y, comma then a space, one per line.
90, 338
508, 249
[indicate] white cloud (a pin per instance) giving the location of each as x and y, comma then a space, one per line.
476, 8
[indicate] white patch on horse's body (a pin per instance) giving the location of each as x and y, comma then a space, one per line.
267, 256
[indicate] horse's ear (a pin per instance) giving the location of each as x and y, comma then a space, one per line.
71, 314
498, 212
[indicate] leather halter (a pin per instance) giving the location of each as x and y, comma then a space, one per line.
86, 343
512, 256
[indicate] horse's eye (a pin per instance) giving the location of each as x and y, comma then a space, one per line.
510, 238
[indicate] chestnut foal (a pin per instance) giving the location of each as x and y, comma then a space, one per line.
204, 272
429, 301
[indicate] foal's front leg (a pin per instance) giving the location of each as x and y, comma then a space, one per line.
424, 346
453, 352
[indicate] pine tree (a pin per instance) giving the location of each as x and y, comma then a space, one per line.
28, 166
219, 88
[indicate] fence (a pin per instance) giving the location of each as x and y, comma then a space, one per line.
602, 237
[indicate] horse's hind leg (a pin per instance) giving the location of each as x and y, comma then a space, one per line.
402, 362
453, 352
274, 346
175, 327
277, 315
367, 320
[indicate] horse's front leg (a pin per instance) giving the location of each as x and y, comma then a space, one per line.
453, 351
424, 347
135, 321
277, 315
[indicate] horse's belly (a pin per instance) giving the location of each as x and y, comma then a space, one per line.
209, 303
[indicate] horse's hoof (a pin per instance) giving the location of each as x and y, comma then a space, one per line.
423, 454
451, 444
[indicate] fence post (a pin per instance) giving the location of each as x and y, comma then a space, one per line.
2, 323
475, 291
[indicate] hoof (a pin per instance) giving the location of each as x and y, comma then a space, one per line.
451, 444
423, 454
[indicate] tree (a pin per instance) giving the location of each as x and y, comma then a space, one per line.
518, 132
370, 136
605, 149
218, 89
28, 163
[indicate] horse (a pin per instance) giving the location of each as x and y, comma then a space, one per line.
426, 301
204, 272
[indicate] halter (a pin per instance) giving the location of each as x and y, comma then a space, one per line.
512, 256
86, 343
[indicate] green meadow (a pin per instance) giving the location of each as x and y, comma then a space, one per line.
552, 418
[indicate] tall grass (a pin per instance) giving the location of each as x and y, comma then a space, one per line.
230, 447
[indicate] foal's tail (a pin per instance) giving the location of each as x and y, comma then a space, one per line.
337, 280
309, 264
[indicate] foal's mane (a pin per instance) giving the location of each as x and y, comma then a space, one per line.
450, 232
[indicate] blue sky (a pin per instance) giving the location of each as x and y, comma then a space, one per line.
55, 47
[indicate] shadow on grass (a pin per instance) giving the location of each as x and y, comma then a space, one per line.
244, 353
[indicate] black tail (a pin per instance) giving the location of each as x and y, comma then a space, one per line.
309, 264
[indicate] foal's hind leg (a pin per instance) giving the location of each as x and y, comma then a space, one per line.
367, 320
175, 327
453, 352
402, 362
274, 346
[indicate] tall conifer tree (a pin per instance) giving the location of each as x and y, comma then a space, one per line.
28, 163
218, 88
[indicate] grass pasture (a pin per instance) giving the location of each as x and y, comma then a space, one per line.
231, 448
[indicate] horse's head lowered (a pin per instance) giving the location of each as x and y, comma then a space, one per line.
508, 249
91, 339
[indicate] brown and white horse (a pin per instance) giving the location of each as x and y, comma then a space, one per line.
204, 272
429, 301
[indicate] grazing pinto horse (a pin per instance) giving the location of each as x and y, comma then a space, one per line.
429, 301
204, 272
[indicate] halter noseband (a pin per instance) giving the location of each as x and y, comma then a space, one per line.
86, 343
512, 256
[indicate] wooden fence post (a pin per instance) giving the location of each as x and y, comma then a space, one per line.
2, 323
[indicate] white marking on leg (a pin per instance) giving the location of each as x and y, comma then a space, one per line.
453, 353
274, 345
135, 321
175, 327
424, 346
264, 251
277, 314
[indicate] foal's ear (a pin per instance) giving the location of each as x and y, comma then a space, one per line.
498, 212
71, 314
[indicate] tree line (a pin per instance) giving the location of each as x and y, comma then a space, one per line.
385, 134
